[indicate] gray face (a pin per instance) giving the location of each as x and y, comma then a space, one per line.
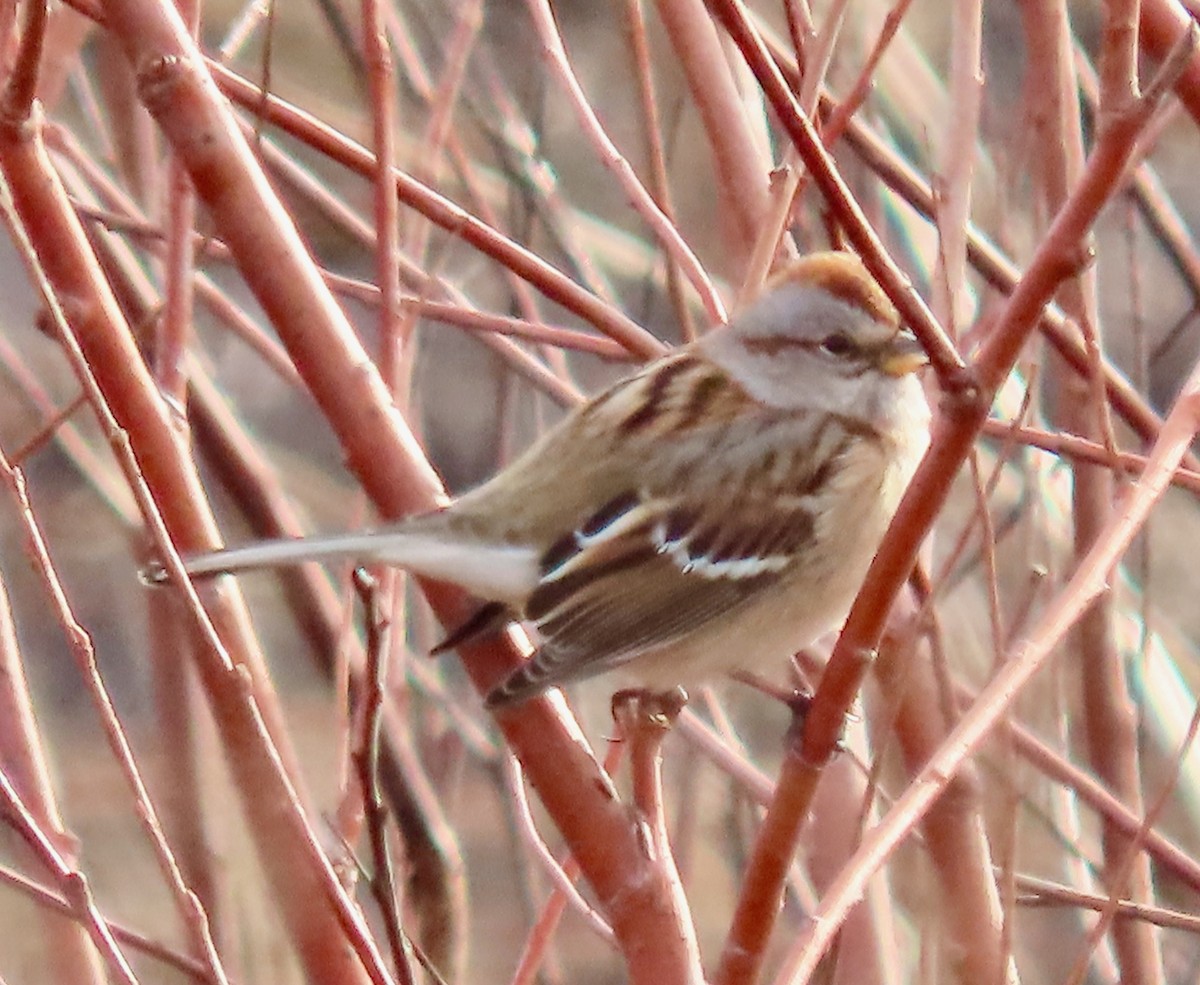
802, 348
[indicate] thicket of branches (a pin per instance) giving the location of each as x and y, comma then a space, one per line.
263, 266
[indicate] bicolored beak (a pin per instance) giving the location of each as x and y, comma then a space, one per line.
902, 355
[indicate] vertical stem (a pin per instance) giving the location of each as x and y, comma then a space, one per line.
72, 956
1110, 720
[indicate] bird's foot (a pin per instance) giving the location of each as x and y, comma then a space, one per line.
637, 708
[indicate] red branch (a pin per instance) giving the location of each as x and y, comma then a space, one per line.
383, 453
1059, 255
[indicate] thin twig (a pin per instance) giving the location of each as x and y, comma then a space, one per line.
1024, 659
658, 221
73, 883
366, 759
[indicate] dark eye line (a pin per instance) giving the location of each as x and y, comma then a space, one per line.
838, 344
772, 345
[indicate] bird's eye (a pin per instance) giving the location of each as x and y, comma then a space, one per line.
838, 344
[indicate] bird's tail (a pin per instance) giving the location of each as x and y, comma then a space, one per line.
357, 546
423, 545
361, 546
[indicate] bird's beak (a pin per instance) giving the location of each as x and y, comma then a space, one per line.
903, 355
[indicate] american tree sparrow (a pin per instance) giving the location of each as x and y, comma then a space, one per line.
715, 510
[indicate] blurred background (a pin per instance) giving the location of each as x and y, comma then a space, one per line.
483, 118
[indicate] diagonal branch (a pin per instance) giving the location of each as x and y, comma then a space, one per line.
383, 453
963, 413
995, 701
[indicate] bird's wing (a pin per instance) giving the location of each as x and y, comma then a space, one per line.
644, 572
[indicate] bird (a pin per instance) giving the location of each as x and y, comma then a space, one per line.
714, 511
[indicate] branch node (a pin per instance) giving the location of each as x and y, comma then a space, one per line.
962, 394
157, 81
